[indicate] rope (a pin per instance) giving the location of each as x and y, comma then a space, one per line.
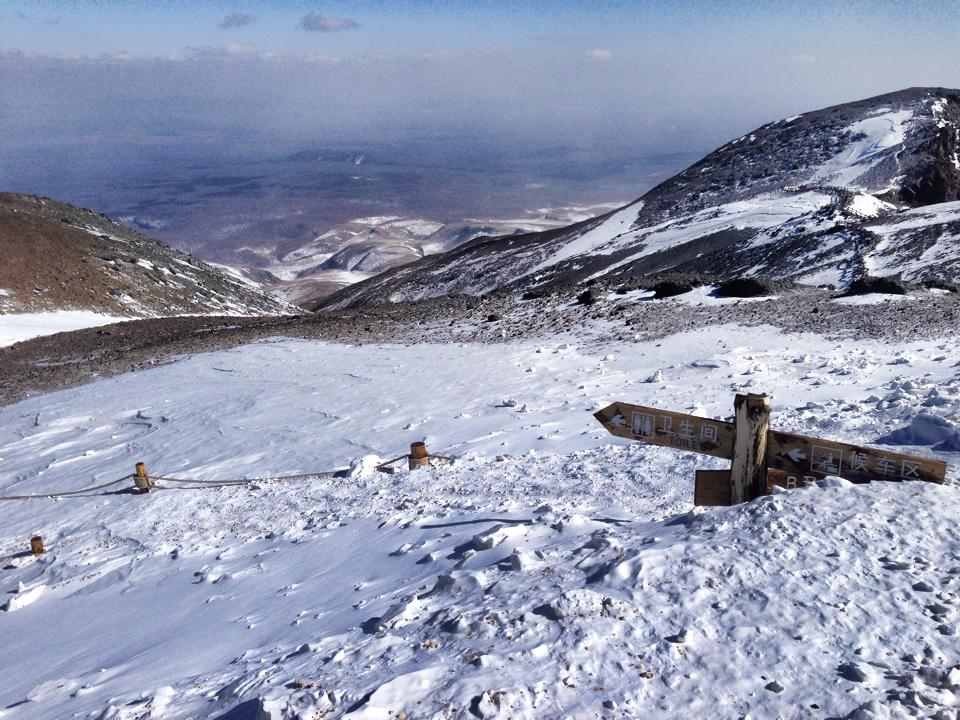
199, 482
391, 462
209, 483
65, 494
279, 478
431, 456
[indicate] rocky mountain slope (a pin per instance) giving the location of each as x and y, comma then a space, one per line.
55, 256
866, 187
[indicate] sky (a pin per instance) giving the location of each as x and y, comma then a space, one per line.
122, 79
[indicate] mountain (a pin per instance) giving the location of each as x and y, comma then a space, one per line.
55, 256
868, 187
361, 248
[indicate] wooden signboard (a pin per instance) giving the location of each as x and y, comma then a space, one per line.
787, 480
799, 454
668, 428
787, 459
712, 487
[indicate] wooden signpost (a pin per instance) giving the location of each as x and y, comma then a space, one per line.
760, 456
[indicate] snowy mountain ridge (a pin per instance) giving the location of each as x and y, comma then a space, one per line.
822, 197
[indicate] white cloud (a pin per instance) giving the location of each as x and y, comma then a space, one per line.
239, 49
228, 52
802, 59
600, 54
315, 22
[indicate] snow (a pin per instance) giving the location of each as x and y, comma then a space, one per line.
764, 211
871, 299
939, 108
929, 429
236, 274
939, 222
551, 571
618, 232
707, 295
874, 136
598, 236
419, 236
867, 206
833, 275
921, 217
17, 327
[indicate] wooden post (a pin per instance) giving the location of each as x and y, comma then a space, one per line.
748, 474
419, 457
36, 545
141, 480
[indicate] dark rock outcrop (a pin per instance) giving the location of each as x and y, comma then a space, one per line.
868, 285
749, 287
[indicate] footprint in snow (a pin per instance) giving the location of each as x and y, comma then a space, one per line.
893, 565
853, 672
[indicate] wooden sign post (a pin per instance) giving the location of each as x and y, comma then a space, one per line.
748, 473
760, 456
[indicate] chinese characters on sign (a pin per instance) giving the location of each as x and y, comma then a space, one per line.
831, 461
798, 455
690, 433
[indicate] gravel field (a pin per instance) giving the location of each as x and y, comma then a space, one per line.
67, 359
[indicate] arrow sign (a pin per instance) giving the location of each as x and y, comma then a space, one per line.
668, 428
816, 456
795, 454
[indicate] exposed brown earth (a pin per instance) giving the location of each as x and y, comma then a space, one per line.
55, 256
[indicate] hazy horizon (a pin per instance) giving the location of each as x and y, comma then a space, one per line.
99, 94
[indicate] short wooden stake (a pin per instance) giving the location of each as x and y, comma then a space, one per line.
36, 545
748, 473
419, 457
141, 481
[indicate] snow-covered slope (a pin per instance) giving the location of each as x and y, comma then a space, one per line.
551, 571
810, 198
56, 257
912, 242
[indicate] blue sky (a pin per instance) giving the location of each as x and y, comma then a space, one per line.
600, 75
162, 27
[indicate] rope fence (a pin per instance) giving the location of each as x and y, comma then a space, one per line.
144, 482
68, 493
